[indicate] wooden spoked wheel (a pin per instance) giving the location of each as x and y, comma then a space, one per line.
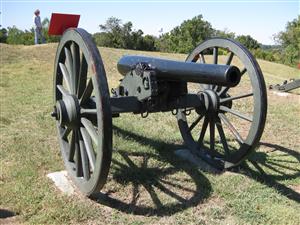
232, 121
82, 111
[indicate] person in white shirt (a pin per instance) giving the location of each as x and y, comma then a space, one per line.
38, 34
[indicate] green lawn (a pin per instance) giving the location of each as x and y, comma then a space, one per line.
147, 183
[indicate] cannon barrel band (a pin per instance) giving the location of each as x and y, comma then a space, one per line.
223, 75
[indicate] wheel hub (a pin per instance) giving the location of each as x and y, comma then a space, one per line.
67, 110
211, 102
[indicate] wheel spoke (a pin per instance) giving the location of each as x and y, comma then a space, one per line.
66, 133
244, 70
90, 129
69, 66
72, 146
215, 55
195, 58
75, 65
223, 91
229, 58
62, 90
66, 76
202, 59
82, 76
89, 147
216, 87
195, 122
212, 134
222, 136
78, 162
88, 111
203, 130
87, 92
236, 113
84, 159
235, 97
231, 128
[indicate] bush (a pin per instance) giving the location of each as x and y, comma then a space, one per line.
3, 35
16, 36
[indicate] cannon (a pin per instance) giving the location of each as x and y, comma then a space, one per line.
205, 97
286, 86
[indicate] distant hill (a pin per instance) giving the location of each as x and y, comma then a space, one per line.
270, 47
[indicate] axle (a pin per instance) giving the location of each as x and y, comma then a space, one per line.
132, 104
222, 75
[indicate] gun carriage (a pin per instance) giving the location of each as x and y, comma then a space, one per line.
84, 108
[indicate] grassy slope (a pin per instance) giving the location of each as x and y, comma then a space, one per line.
147, 184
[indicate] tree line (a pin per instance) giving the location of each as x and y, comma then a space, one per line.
181, 39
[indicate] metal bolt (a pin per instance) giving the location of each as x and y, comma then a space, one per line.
54, 113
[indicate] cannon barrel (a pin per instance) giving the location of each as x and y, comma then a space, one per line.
223, 75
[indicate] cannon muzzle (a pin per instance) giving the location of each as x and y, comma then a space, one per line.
223, 75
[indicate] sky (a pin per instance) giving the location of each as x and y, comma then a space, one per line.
260, 19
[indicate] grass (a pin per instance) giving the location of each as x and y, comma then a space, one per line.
147, 184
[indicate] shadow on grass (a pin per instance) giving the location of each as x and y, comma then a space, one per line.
270, 171
152, 179
4, 213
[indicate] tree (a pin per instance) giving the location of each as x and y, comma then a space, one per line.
185, 37
137, 39
290, 42
248, 42
117, 35
112, 27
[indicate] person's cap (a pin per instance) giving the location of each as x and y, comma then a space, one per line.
37, 11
